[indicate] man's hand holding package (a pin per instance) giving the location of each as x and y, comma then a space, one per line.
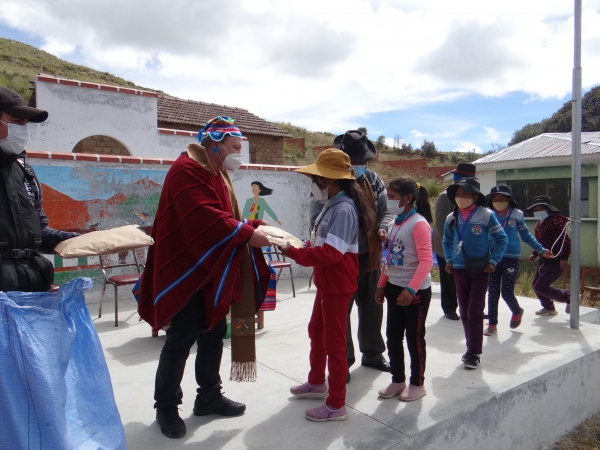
259, 239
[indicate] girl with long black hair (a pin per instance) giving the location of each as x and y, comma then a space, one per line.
406, 285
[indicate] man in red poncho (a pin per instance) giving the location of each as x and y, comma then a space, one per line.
205, 260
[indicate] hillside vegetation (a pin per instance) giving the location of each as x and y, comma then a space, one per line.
560, 121
20, 63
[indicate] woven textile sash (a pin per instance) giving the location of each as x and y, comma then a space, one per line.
243, 348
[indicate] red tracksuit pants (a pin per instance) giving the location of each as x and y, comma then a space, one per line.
327, 333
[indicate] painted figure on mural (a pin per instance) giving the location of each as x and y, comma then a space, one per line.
256, 207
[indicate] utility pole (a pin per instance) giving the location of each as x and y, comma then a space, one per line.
576, 173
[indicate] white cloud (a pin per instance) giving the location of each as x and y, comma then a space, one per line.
466, 147
322, 63
418, 134
492, 134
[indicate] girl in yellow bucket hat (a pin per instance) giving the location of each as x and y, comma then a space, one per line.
333, 252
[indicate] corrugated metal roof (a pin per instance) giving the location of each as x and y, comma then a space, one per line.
543, 146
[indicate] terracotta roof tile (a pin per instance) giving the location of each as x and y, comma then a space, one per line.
189, 112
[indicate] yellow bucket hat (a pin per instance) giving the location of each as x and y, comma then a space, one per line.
331, 163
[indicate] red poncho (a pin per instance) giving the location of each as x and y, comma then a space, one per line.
199, 245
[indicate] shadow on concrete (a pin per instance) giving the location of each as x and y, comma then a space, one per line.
151, 436
145, 350
469, 384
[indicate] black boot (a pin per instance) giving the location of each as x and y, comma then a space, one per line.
171, 425
217, 403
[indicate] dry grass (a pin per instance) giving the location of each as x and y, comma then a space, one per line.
585, 437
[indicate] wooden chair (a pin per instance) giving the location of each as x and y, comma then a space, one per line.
107, 265
279, 263
593, 288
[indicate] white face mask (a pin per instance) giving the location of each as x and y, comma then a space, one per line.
393, 207
318, 193
15, 141
463, 202
500, 206
541, 215
232, 161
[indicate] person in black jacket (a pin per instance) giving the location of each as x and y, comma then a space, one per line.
24, 230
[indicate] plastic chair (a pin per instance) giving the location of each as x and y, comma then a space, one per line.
279, 263
119, 279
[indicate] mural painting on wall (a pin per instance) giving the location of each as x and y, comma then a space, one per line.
98, 198
88, 199
256, 206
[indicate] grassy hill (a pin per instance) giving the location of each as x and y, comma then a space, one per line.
20, 63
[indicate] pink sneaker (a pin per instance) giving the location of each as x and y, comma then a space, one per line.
413, 393
324, 413
309, 391
392, 390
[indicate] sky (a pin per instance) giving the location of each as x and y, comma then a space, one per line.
463, 73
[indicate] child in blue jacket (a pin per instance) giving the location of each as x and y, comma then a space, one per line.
474, 244
500, 200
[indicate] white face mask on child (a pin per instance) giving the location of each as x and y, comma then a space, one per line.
463, 202
541, 215
318, 193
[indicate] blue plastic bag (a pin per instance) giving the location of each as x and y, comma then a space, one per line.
55, 389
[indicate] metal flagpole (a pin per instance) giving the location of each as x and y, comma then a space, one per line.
576, 173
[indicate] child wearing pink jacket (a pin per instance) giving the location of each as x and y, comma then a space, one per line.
405, 283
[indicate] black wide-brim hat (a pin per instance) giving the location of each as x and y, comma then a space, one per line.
356, 145
501, 189
469, 184
542, 200
464, 170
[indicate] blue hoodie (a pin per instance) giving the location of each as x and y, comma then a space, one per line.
480, 236
514, 226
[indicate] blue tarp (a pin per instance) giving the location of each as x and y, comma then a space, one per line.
55, 389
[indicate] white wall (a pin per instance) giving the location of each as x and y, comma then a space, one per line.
289, 202
487, 180
76, 113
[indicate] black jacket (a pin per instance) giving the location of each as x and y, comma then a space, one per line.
24, 230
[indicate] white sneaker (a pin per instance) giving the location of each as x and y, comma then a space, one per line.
546, 312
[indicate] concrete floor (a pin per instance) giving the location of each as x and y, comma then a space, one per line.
512, 363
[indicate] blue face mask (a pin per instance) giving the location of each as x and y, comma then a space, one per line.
359, 171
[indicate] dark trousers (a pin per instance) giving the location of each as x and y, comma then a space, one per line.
503, 280
410, 320
471, 289
370, 317
184, 331
448, 287
545, 275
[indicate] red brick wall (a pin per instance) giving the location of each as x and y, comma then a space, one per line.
265, 149
412, 165
299, 143
320, 148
